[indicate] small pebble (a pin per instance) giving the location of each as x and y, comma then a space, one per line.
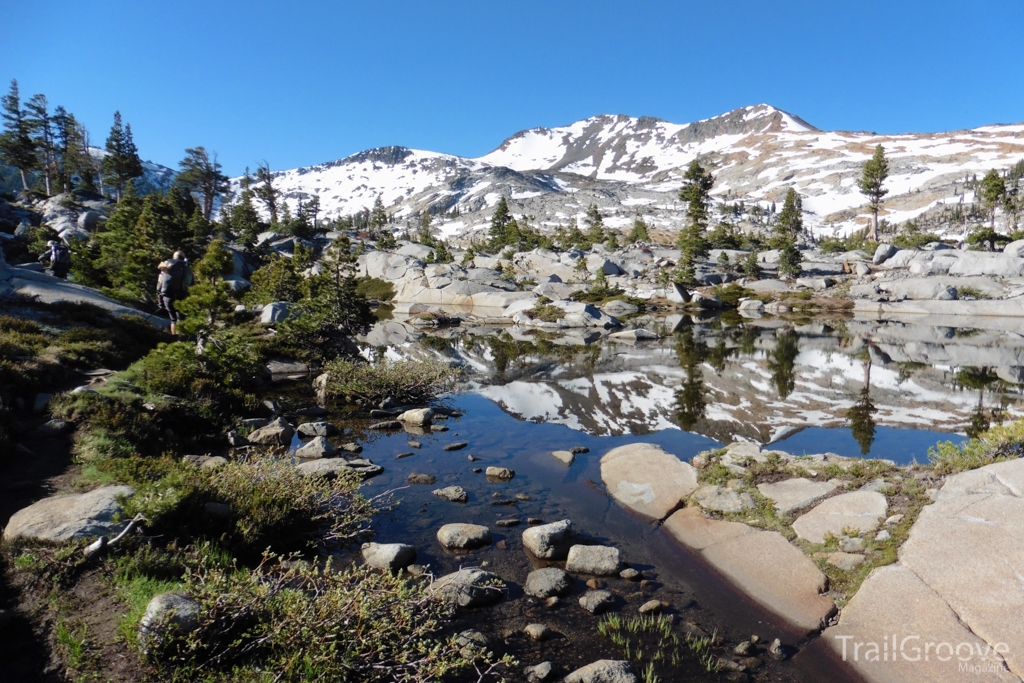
417, 569
744, 649
417, 478
508, 522
439, 428
553, 601
473, 458
646, 583
522, 496
496, 495
404, 455
414, 444
534, 520
476, 470
458, 445
883, 535
577, 450
595, 583
503, 502
776, 650
629, 574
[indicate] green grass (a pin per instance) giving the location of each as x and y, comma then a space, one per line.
74, 644
355, 382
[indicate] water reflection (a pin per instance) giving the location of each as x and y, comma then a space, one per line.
761, 380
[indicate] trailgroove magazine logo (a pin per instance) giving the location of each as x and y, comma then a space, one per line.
972, 657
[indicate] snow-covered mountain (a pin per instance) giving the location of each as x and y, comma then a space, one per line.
634, 165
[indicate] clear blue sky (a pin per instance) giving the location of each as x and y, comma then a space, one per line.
298, 83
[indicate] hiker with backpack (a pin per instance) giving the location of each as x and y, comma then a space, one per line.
59, 257
171, 285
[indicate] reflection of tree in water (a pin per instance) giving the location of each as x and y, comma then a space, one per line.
861, 415
978, 378
513, 353
689, 398
782, 360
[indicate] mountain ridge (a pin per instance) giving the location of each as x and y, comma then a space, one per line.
634, 165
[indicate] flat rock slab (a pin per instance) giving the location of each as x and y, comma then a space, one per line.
894, 601
793, 494
564, 457
647, 480
970, 550
547, 582
863, 510
68, 518
722, 499
764, 564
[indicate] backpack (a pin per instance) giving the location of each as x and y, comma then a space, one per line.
61, 256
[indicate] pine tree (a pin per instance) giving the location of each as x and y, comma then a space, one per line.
71, 150
499, 222
876, 170
16, 146
122, 162
378, 216
789, 225
266, 192
442, 254
993, 191
639, 232
595, 224
423, 235
40, 125
209, 298
245, 222
693, 246
201, 174
751, 267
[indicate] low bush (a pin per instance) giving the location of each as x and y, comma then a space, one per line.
358, 383
1004, 442
547, 313
304, 623
375, 288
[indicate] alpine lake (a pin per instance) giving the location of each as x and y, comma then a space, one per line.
863, 388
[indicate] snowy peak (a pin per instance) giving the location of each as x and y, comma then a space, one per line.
606, 146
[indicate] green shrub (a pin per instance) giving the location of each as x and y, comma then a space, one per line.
1004, 442
303, 623
375, 288
548, 313
355, 382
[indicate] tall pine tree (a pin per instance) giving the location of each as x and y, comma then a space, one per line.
40, 125
16, 146
876, 170
788, 227
122, 162
200, 173
499, 223
693, 245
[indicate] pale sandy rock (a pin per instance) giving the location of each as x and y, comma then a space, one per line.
763, 563
549, 541
603, 671
647, 480
863, 510
893, 600
564, 457
792, 494
70, 517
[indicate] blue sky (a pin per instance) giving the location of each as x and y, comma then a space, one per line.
302, 82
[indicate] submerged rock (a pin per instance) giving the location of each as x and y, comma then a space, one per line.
547, 582
455, 494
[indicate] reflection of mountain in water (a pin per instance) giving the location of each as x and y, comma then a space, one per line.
759, 380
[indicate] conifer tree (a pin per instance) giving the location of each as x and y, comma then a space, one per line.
876, 170
71, 149
789, 225
209, 298
200, 173
639, 232
595, 224
378, 216
751, 267
993, 191
16, 146
499, 222
266, 191
245, 222
122, 162
40, 125
693, 246
423, 235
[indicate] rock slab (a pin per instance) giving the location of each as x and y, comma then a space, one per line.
647, 480
862, 510
764, 564
793, 494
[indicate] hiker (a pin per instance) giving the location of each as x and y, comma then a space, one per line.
170, 286
59, 257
